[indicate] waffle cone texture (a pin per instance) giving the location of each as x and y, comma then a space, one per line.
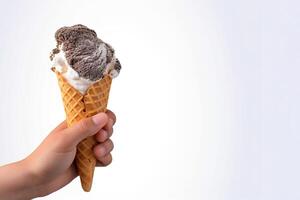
78, 107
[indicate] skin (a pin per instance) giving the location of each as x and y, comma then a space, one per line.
50, 167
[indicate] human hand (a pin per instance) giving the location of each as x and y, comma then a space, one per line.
51, 167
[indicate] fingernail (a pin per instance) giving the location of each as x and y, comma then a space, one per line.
111, 121
99, 118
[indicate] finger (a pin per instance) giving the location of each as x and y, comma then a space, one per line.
110, 132
84, 128
99, 164
101, 136
111, 115
109, 127
104, 133
105, 161
101, 150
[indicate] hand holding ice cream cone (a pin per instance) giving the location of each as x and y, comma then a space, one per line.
51, 167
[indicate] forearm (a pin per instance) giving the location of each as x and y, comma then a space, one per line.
16, 182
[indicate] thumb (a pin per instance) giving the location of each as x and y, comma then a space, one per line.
83, 129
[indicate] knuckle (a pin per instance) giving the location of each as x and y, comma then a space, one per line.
109, 125
112, 116
99, 151
108, 160
109, 131
109, 145
112, 146
102, 135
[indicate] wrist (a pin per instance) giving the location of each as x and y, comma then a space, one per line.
16, 182
29, 179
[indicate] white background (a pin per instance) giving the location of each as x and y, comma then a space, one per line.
207, 102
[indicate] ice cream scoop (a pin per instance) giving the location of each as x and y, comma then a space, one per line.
82, 58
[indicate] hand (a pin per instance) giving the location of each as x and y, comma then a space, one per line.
51, 167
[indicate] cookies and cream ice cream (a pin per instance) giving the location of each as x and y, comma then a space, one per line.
82, 58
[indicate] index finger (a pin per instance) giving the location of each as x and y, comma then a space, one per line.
111, 115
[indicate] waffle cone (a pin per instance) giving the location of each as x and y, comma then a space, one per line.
78, 107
